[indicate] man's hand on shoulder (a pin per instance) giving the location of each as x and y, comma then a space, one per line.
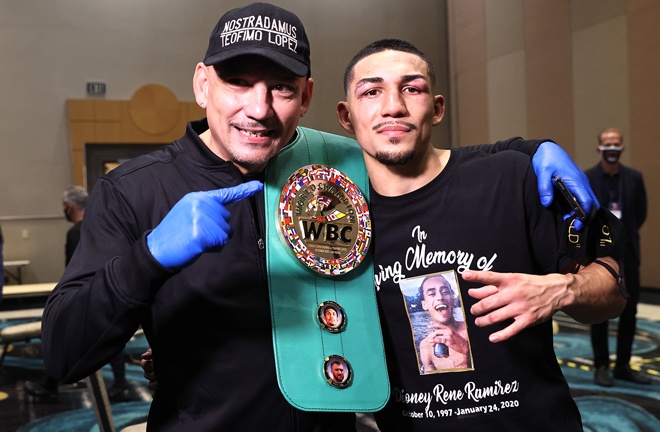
551, 161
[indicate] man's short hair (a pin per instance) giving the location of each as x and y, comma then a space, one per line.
384, 45
609, 129
76, 195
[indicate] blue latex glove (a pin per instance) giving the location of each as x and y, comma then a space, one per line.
196, 224
551, 161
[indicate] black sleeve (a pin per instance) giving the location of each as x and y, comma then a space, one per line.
602, 236
105, 292
606, 236
518, 144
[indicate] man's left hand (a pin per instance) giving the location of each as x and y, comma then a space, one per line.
526, 299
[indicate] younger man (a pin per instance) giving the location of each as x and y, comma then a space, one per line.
458, 211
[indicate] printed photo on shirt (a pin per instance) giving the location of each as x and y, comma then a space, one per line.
437, 322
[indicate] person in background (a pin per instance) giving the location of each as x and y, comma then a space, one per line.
159, 249
74, 202
620, 189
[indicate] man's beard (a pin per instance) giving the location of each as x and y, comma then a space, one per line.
249, 160
253, 162
395, 159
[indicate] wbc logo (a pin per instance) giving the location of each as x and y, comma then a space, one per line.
325, 220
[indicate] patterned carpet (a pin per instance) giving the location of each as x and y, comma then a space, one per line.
625, 407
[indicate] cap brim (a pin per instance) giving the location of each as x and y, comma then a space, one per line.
292, 65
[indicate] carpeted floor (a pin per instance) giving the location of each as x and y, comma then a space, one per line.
73, 408
625, 407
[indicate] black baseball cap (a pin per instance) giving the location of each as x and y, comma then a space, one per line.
261, 29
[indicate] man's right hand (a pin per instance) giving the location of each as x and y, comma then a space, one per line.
147, 365
196, 224
445, 334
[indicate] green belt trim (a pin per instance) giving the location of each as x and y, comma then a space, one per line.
300, 344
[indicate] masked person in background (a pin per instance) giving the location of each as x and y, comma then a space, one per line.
620, 189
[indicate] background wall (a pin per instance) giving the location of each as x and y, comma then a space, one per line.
562, 69
545, 68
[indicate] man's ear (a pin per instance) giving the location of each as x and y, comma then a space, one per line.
307, 96
201, 84
344, 117
438, 109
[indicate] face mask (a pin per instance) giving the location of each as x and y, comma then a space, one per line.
610, 154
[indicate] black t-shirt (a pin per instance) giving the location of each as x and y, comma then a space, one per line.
483, 213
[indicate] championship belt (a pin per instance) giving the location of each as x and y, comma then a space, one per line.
327, 339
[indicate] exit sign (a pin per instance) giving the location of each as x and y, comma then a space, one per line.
96, 88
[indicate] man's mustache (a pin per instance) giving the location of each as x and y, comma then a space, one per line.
394, 123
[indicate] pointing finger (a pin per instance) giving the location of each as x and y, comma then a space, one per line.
236, 193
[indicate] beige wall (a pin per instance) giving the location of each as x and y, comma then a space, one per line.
49, 50
564, 70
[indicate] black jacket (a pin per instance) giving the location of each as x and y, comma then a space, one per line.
208, 324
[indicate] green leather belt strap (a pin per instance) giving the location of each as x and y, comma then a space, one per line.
299, 341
